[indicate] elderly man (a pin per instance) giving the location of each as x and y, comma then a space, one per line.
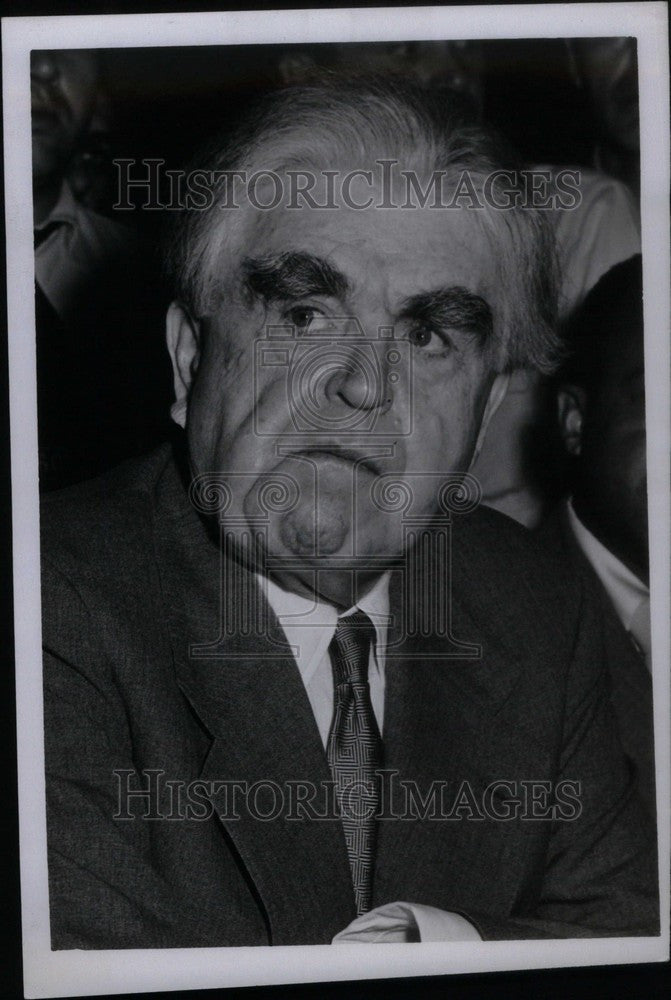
290, 692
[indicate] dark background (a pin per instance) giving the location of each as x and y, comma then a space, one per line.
165, 102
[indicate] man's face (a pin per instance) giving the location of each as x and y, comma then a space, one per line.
612, 485
63, 92
398, 390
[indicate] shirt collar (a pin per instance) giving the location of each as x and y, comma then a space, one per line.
623, 587
309, 624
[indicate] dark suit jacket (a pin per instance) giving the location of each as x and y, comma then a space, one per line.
629, 680
132, 582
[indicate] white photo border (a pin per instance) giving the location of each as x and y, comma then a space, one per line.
77, 973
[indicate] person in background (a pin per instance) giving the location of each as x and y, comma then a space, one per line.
515, 467
607, 70
603, 523
93, 293
452, 66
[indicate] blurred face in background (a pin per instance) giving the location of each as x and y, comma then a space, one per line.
63, 97
458, 65
609, 69
455, 64
604, 426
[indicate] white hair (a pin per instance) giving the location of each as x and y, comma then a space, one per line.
353, 124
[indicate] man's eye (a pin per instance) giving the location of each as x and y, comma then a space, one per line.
428, 340
302, 316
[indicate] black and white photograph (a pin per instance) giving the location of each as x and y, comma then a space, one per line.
339, 404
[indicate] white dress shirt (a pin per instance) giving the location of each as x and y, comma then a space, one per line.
309, 626
628, 594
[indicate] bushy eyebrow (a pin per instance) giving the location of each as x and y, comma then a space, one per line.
454, 307
292, 275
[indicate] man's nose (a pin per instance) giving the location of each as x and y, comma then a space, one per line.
44, 67
360, 380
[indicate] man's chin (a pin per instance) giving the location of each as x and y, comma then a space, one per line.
330, 545
320, 534
334, 578
299, 521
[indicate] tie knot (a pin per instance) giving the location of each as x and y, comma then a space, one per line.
350, 648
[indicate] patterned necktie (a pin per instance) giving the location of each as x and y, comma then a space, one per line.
354, 749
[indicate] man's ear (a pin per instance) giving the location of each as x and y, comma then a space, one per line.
182, 334
570, 413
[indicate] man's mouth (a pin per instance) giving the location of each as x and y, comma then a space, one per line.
355, 456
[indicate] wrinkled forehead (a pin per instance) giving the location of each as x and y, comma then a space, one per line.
387, 253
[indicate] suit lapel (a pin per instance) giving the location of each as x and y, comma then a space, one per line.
244, 687
441, 726
246, 690
629, 678
629, 675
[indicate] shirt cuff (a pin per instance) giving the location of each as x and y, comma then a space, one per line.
402, 922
